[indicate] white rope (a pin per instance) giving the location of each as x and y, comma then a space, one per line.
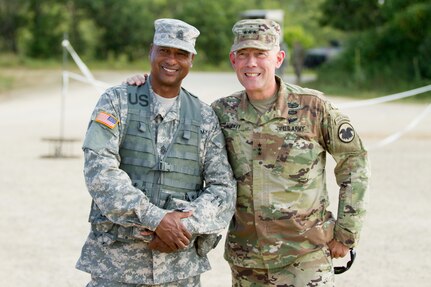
384, 99
84, 69
395, 136
80, 78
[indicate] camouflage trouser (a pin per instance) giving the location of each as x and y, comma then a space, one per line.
313, 269
189, 282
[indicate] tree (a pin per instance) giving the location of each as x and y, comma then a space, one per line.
393, 44
214, 20
46, 27
10, 22
125, 27
112, 29
351, 15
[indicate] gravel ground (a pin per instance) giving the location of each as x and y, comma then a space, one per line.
44, 204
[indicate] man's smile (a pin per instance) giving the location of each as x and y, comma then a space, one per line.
252, 75
169, 70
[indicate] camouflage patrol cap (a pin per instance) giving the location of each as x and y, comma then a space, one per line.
263, 34
176, 34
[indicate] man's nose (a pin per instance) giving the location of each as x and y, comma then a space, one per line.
251, 61
171, 57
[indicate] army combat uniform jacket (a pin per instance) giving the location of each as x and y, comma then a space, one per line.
278, 159
122, 145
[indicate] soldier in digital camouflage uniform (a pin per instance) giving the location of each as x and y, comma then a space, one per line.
157, 170
277, 136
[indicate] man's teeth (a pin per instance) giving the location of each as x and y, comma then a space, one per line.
169, 70
252, 74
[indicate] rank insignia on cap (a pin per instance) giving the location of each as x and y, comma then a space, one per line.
346, 133
106, 119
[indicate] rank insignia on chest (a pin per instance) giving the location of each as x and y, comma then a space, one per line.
231, 126
106, 120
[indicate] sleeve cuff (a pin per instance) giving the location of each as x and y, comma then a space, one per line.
345, 237
189, 225
153, 217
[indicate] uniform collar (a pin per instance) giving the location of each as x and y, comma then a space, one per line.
157, 108
280, 110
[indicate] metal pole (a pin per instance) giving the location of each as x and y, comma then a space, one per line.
64, 88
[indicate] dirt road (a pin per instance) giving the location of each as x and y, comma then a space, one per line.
44, 203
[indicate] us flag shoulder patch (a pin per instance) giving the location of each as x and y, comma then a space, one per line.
106, 119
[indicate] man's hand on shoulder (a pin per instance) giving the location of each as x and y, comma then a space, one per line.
137, 80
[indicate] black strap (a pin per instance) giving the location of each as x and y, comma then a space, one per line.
342, 269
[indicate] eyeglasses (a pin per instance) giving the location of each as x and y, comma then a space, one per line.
342, 269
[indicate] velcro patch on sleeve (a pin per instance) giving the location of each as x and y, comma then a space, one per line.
106, 120
346, 133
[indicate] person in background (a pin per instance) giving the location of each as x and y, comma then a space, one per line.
157, 171
298, 57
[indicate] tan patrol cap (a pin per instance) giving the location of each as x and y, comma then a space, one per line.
263, 34
176, 34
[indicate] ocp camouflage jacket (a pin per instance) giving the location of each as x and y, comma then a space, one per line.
278, 159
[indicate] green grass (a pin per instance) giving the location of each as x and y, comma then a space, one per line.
6, 83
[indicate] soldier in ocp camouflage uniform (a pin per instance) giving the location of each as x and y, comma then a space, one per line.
277, 138
157, 170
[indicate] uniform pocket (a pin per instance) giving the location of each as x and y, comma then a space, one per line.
239, 152
240, 164
102, 232
296, 159
293, 174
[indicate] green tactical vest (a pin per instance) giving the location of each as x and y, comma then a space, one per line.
179, 173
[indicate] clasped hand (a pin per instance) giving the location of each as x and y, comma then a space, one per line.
171, 234
337, 249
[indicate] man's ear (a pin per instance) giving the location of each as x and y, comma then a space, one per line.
232, 58
150, 51
192, 59
280, 58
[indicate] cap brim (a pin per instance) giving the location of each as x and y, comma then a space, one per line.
177, 44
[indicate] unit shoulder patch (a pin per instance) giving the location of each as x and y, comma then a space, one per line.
106, 119
346, 133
